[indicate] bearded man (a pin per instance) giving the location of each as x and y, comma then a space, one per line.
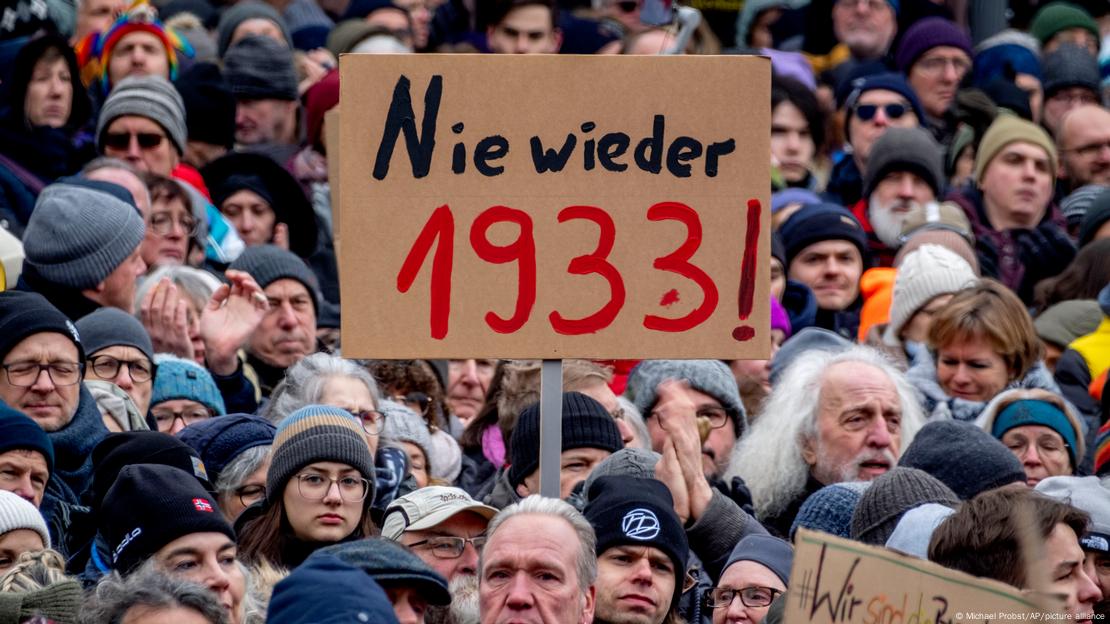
904, 177
833, 417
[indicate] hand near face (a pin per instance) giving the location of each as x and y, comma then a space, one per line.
231, 316
164, 313
677, 414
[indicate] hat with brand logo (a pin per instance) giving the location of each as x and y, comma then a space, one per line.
1087, 494
428, 507
150, 506
632, 511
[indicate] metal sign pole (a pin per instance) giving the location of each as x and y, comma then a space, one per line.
551, 426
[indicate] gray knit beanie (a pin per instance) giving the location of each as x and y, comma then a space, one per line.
259, 68
905, 149
241, 12
110, 327
1070, 66
268, 263
890, 496
404, 425
627, 462
77, 235
317, 433
962, 456
709, 376
152, 97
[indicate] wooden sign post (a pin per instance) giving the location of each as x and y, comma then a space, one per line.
551, 207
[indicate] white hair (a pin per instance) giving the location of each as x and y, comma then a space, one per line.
769, 458
304, 383
586, 558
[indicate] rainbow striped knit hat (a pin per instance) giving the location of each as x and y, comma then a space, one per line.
95, 49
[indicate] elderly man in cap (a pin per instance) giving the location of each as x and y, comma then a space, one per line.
43, 364
904, 175
82, 247
446, 529
260, 73
641, 550
834, 416
874, 104
935, 55
26, 456
1089, 495
1020, 235
143, 123
287, 332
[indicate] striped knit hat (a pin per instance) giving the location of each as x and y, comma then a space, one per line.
317, 433
1102, 450
96, 48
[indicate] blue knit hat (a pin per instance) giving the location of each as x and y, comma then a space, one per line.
182, 379
830, 509
821, 222
326, 590
997, 61
219, 441
19, 432
1034, 412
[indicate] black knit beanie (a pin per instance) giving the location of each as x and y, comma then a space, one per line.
638, 512
150, 506
25, 313
586, 424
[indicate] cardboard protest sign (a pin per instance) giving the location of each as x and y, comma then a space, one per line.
838, 581
554, 206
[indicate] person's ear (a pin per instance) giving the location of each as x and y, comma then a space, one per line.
809, 453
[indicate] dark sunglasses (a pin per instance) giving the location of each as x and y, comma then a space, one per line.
627, 6
122, 140
866, 112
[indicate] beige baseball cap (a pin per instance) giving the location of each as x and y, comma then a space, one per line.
427, 507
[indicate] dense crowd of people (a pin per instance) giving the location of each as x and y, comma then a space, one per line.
182, 440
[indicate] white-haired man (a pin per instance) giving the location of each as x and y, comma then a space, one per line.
538, 565
835, 416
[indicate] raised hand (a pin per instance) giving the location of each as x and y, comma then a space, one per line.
164, 313
233, 313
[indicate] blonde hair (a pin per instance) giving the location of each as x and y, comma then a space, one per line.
988, 310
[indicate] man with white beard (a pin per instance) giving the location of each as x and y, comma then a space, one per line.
833, 417
904, 175
446, 528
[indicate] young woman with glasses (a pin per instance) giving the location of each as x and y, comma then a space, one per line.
319, 488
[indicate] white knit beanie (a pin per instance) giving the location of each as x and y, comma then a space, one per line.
930, 271
16, 513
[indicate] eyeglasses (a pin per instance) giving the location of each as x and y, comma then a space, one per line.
866, 112
372, 420
1090, 150
25, 374
161, 223
717, 416
315, 487
1074, 97
165, 418
755, 596
618, 414
937, 64
122, 140
250, 494
450, 546
107, 367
